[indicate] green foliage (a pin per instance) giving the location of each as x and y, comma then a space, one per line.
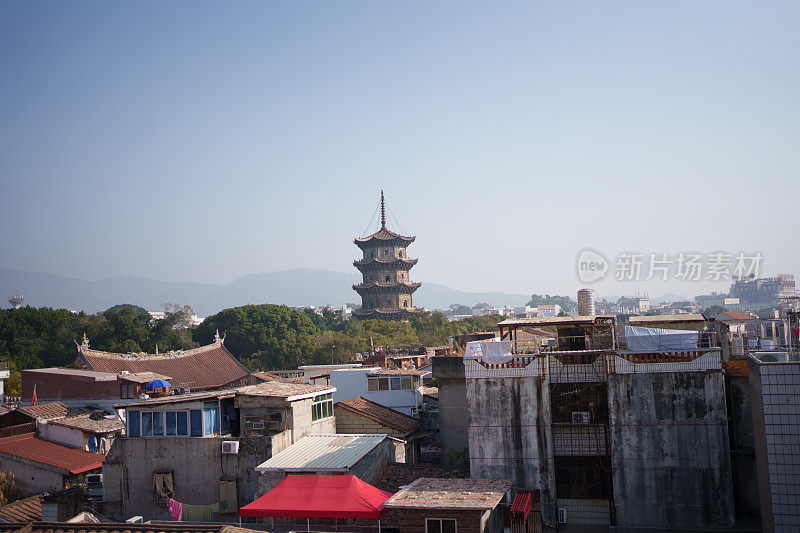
714, 310
566, 303
458, 458
265, 337
121, 307
458, 309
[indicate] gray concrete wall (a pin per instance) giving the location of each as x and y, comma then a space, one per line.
370, 468
30, 477
509, 434
197, 464
670, 451
743, 455
453, 418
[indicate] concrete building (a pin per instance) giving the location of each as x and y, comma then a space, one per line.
775, 394
202, 448
549, 310
5, 373
397, 389
91, 432
608, 436
364, 456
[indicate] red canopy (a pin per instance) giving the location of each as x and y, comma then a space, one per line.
315, 496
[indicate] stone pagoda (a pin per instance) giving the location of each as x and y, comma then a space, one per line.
387, 287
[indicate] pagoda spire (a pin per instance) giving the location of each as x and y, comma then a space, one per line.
383, 212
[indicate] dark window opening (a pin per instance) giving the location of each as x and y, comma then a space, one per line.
583, 477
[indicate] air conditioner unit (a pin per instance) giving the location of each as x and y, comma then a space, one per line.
230, 446
581, 417
562, 515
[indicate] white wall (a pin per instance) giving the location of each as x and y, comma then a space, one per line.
351, 383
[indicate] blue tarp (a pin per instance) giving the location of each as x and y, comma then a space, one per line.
652, 339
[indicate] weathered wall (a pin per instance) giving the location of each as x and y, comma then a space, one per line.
775, 394
30, 477
453, 418
413, 520
69, 436
370, 468
197, 464
348, 423
509, 434
670, 452
743, 455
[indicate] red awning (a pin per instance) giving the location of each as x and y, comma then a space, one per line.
320, 496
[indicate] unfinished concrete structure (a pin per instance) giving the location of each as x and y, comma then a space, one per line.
632, 438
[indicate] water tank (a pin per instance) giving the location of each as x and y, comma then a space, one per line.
585, 302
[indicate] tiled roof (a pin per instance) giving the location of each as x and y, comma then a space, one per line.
398, 475
315, 453
4, 409
450, 493
24, 510
52, 454
282, 389
46, 411
380, 413
87, 423
107, 527
734, 316
207, 367
143, 377
384, 234
79, 372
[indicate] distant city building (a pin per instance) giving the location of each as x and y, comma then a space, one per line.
715, 299
763, 292
387, 288
549, 310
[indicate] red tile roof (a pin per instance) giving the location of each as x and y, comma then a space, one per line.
444, 493
734, 316
207, 367
58, 456
381, 414
24, 510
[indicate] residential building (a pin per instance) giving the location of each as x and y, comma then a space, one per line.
386, 290
448, 505
76, 387
364, 456
361, 416
549, 310
39, 465
92, 432
174, 444
396, 389
5, 373
594, 422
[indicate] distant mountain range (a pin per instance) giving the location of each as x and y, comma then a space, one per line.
296, 287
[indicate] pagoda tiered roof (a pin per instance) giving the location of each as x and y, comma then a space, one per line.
381, 237
386, 286
399, 263
387, 314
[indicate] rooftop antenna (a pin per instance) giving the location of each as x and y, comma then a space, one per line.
16, 300
383, 212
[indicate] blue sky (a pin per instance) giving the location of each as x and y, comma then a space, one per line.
205, 141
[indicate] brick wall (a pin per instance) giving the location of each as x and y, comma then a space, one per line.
55, 387
413, 520
350, 422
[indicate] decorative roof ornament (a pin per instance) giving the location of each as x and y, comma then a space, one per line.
217, 339
85, 343
383, 212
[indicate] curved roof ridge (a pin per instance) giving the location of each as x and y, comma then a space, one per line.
172, 354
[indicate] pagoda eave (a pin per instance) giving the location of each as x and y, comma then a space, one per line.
388, 314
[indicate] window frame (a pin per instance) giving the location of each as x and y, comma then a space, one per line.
440, 520
321, 407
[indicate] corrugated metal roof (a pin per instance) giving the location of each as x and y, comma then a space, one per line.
323, 452
550, 320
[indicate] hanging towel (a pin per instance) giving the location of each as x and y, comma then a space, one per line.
200, 513
175, 509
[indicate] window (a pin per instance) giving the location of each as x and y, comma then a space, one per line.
400, 253
134, 420
158, 424
583, 477
386, 278
440, 525
147, 424
396, 383
130, 390
182, 423
196, 418
372, 384
405, 303
383, 383
171, 425
406, 382
322, 407
210, 418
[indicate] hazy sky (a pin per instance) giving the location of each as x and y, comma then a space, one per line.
205, 141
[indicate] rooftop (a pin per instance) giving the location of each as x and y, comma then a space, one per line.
181, 398
91, 374
207, 367
24, 510
85, 422
398, 475
284, 389
45, 411
143, 377
450, 493
399, 372
381, 414
734, 316
431, 392
323, 452
57, 456
655, 319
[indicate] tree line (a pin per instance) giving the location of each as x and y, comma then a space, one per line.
263, 337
